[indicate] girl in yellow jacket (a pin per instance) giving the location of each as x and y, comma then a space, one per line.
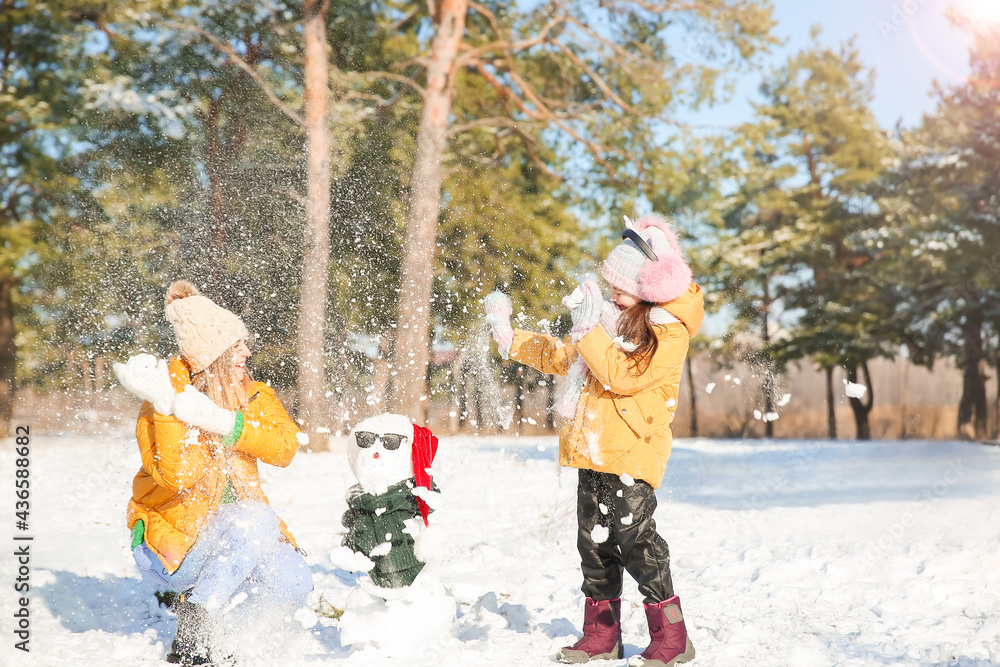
624, 358
200, 522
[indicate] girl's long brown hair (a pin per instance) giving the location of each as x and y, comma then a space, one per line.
635, 327
219, 383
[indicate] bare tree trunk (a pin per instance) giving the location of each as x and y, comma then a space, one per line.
550, 402
463, 396
216, 203
381, 377
458, 382
316, 241
972, 407
410, 358
693, 399
769, 371
996, 429
85, 374
861, 406
519, 399
477, 398
831, 414
8, 354
99, 375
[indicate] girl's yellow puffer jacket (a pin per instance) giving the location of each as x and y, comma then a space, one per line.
184, 473
622, 421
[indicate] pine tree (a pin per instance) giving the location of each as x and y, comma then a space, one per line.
794, 234
942, 197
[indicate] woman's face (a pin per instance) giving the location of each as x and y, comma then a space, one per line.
240, 355
622, 300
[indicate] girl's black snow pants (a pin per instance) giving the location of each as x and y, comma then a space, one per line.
632, 543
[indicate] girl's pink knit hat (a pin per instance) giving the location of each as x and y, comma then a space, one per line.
656, 281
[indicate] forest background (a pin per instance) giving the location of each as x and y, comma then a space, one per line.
352, 178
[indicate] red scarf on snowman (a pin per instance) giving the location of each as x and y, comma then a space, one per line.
425, 446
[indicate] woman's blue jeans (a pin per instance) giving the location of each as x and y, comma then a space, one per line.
241, 551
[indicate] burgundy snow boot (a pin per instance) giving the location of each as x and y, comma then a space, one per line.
670, 644
602, 634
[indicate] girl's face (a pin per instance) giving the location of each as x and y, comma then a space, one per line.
622, 300
240, 355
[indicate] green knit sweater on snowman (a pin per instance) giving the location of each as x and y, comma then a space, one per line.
372, 520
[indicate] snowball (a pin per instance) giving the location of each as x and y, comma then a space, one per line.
709, 387
627, 520
771, 417
432, 498
302, 438
620, 494
736, 380
432, 544
306, 617
350, 560
626, 479
380, 511
593, 451
854, 390
757, 415
783, 401
671, 402
603, 508
599, 534
382, 549
235, 602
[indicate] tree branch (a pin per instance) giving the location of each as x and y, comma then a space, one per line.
401, 21
494, 122
243, 65
596, 78
506, 45
611, 45
399, 78
543, 113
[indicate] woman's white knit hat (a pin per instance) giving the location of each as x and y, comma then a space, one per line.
204, 329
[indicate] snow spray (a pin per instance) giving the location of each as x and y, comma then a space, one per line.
481, 392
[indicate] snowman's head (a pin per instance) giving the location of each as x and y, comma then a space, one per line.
380, 452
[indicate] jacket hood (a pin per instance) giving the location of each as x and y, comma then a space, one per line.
689, 308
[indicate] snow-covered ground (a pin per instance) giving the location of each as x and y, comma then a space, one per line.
784, 553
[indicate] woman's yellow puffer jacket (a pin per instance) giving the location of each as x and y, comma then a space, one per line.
184, 473
622, 421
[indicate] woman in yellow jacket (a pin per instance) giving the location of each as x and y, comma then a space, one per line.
624, 359
200, 522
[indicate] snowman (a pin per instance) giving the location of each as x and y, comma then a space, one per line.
389, 536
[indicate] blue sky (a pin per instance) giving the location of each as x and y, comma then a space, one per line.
910, 43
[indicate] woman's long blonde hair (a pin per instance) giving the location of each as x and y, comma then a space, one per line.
219, 383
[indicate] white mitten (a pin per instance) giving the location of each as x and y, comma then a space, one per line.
498, 311
585, 304
609, 318
195, 408
149, 380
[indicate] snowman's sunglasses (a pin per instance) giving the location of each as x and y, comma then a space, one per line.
391, 441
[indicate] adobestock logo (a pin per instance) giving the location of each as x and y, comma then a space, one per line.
899, 16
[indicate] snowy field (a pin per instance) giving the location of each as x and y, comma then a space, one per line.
784, 553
